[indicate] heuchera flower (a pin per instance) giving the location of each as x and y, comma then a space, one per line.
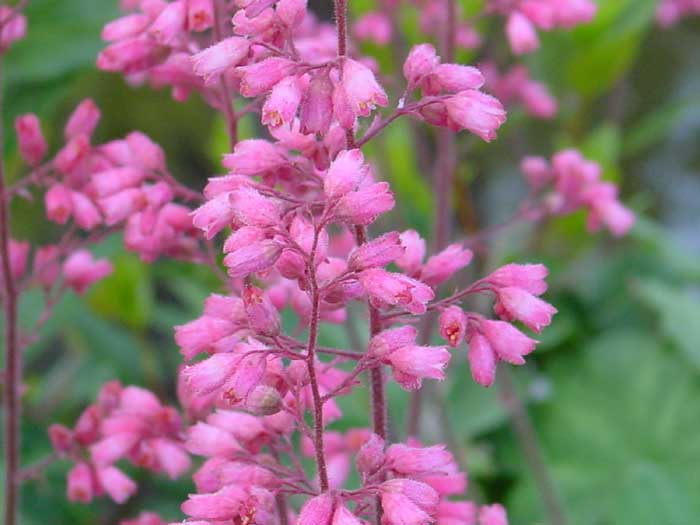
81, 270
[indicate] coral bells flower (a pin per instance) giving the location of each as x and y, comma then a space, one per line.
81, 270
420, 62
260, 77
217, 59
32, 145
509, 343
521, 34
517, 304
408, 502
453, 325
362, 89
83, 120
377, 252
475, 111
282, 103
492, 515
482, 360
440, 267
13, 27
394, 289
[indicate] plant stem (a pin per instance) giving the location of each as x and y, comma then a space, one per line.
229, 115
13, 373
529, 443
311, 365
445, 166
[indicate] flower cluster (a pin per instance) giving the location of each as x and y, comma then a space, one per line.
571, 182
524, 17
290, 216
124, 423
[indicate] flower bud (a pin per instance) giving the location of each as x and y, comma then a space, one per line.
263, 400
453, 324
32, 145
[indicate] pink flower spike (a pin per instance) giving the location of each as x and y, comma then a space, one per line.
217, 59
32, 145
363, 90
516, 303
420, 62
377, 252
440, 267
316, 511
81, 270
453, 324
475, 111
396, 289
492, 515
509, 343
282, 103
482, 360
521, 34
83, 120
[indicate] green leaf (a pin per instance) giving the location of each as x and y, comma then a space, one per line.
618, 438
679, 314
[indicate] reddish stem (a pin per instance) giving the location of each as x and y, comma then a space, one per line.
13, 370
311, 364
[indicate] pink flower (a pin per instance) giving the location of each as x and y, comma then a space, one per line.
475, 111
453, 325
260, 77
387, 341
85, 212
377, 252
346, 173
13, 27
412, 258
125, 27
19, 253
606, 210
371, 456
454, 77
263, 317
81, 270
529, 277
32, 145
442, 266
386, 288
220, 57
517, 303
132, 55
482, 360
364, 205
282, 103
214, 215
291, 12
536, 170
492, 515
221, 505
509, 343
254, 157
83, 120
411, 364
170, 23
521, 34
408, 502
251, 208
420, 62
316, 511
255, 257
375, 27
362, 89
81, 484
316, 110
116, 484
416, 461
200, 14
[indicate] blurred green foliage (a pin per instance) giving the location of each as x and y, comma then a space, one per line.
613, 389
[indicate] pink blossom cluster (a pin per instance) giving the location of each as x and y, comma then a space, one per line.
121, 182
669, 12
570, 182
525, 17
516, 86
290, 216
124, 423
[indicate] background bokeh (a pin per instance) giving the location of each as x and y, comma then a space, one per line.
613, 390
